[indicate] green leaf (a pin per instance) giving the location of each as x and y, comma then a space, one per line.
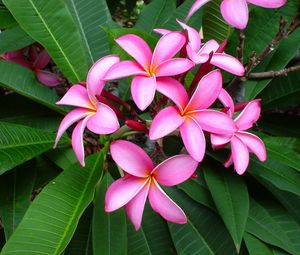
14, 39
51, 220
15, 193
6, 19
20, 143
89, 15
51, 24
207, 223
279, 174
262, 225
231, 198
137, 241
214, 26
108, 229
256, 246
282, 92
81, 242
22, 81
155, 15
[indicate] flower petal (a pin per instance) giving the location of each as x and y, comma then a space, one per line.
72, 117
165, 122
268, 3
254, 144
135, 207
240, 155
193, 138
163, 205
77, 96
249, 115
218, 140
97, 73
131, 158
174, 90
235, 12
47, 78
228, 161
167, 47
136, 47
193, 36
227, 101
206, 92
194, 56
42, 60
77, 140
173, 67
162, 31
195, 7
104, 121
208, 47
228, 63
124, 69
214, 122
122, 191
175, 170
143, 91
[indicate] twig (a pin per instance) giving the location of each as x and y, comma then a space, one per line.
273, 74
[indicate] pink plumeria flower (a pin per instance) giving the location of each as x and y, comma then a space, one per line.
96, 116
236, 12
200, 54
149, 68
242, 143
192, 116
142, 180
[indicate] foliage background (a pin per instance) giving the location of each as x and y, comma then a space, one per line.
50, 205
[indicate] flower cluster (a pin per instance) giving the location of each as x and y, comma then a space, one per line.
160, 70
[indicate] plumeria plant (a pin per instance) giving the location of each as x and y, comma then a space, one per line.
179, 115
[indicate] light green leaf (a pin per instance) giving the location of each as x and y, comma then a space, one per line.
51, 220
108, 229
20, 143
14, 39
256, 246
89, 16
15, 193
50, 23
22, 81
231, 198
155, 15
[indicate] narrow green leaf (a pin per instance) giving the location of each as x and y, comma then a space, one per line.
20, 143
256, 246
50, 23
14, 39
262, 225
155, 15
108, 229
15, 193
214, 26
89, 15
22, 81
51, 220
231, 198
206, 222
81, 242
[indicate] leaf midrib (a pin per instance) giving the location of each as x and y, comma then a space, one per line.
55, 41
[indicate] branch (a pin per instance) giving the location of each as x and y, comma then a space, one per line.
240, 48
273, 74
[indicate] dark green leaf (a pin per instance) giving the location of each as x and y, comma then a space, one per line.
108, 229
51, 220
6, 19
20, 143
15, 193
256, 246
